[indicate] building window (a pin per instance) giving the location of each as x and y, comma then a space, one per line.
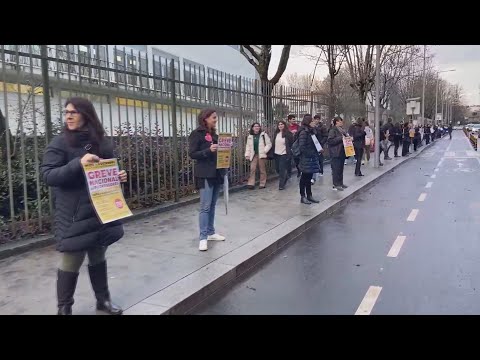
119, 65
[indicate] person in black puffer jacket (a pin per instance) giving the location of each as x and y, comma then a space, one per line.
337, 153
78, 230
308, 164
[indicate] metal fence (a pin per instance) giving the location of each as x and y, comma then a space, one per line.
148, 105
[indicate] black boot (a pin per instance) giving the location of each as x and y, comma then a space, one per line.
66, 284
312, 200
304, 200
99, 280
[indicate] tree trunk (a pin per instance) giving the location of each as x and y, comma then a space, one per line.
331, 107
266, 91
3, 136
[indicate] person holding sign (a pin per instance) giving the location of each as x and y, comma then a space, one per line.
337, 152
78, 230
202, 147
309, 163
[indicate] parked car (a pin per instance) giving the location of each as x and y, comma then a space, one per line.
475, 129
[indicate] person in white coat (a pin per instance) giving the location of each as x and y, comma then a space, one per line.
257, 148
369, 139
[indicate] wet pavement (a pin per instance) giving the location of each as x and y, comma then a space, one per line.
409, 245
159, 254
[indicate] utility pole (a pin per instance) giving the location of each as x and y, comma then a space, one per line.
377, 108
424, 80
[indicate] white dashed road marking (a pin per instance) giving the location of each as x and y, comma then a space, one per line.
413, 215
433, 176
429, 185
397, 245
436, 170
422, 197
368, 302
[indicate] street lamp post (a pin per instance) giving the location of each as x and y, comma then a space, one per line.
436, 97
377, 108
423, 88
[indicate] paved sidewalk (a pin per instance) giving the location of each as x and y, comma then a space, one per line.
157, 267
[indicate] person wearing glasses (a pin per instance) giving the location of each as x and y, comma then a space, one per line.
78, 230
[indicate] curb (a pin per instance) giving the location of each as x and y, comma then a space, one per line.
180, 299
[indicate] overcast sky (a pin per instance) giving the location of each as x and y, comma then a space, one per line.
465, 59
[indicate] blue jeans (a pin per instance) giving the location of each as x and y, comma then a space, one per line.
208, 201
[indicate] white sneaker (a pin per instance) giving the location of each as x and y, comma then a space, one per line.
203, 245
363, 162
216, 237
312, 181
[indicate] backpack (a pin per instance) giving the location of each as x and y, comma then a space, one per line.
270, 155
296, 146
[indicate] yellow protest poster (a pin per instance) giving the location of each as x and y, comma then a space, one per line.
348, 145
224, 151
105, 191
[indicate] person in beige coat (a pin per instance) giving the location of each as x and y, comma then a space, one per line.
258, 145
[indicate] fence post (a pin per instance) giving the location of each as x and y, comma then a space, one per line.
46, 93
240, 132
311, 103
174, 130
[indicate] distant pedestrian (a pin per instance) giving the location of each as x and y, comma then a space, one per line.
337, 152
417, 139
77, 229
426, 134
203, 145
358, 135
293, 128
369, 141
397, 138
450, 129
258, 145
322, 136
406, 139
282, 145
308, 159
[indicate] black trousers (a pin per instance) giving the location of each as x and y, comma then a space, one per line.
306, 185
338, 164
406, 145
282, 163
415, 144
321, 159
450, 135
359, 158
396, 143
427, 138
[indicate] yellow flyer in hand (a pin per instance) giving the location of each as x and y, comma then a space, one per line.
105, 191
224, 151
348, 145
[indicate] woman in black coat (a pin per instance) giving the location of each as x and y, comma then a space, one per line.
358, 135
308, 164
406, 139
78, 230
337, 153
202, 147
281, 144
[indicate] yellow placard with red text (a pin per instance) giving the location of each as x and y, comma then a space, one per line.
105, 191
348, 145
224, 151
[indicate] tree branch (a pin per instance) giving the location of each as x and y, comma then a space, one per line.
282, 65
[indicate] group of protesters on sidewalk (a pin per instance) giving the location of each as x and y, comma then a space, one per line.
80, 233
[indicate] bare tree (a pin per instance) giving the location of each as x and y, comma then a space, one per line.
361, 65
260, 57
333, 56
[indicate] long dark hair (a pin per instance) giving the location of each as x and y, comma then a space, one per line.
285, 128
92, 124
307, 120
203, 116
251, 128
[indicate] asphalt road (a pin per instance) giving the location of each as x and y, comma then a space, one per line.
409, 245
